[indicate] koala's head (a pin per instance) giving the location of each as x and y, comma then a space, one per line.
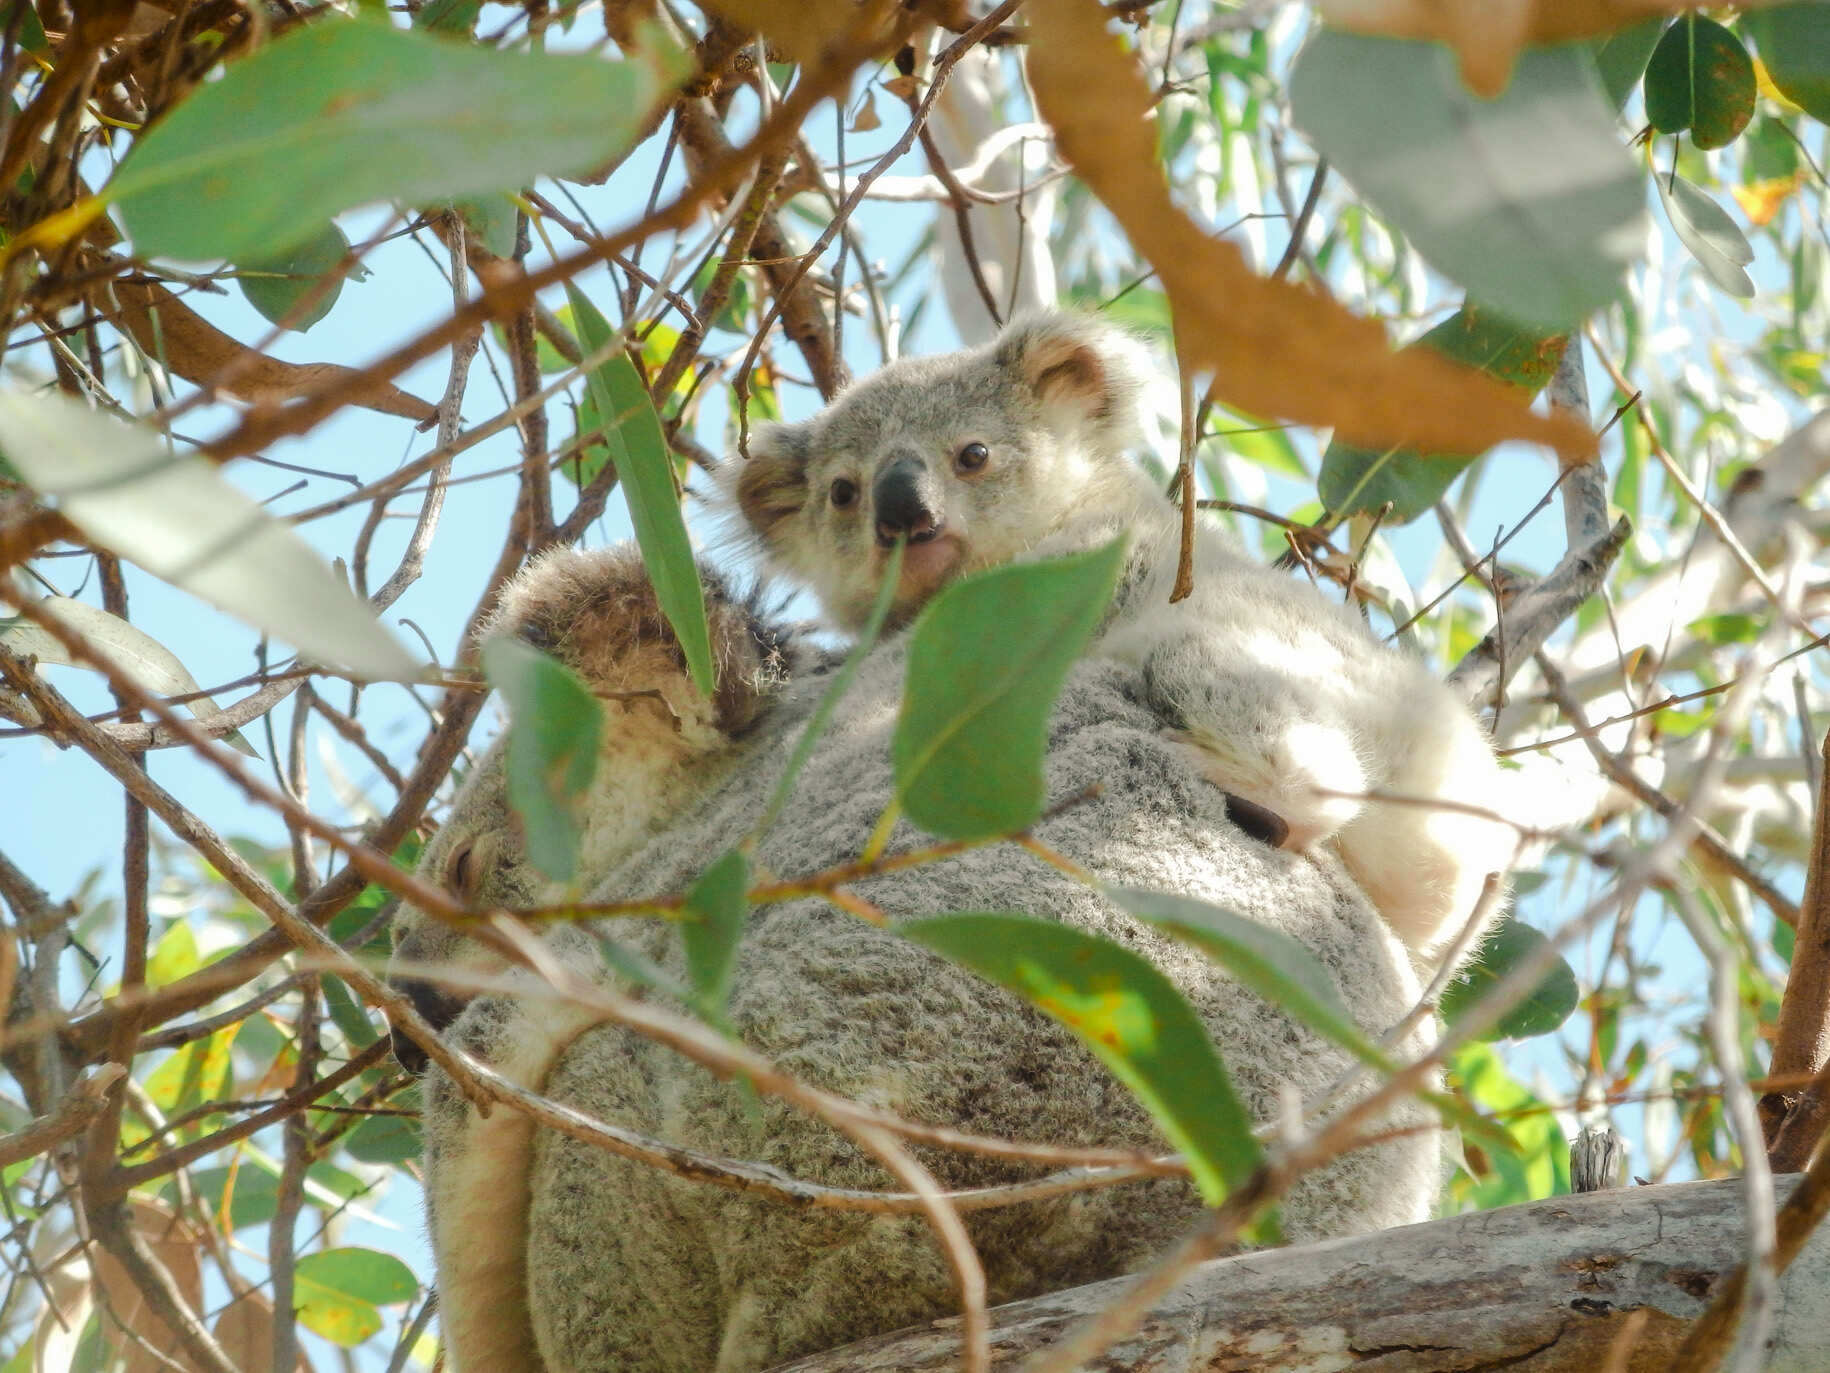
971, 456
597, 613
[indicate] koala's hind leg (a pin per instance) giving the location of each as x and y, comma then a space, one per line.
1424, 856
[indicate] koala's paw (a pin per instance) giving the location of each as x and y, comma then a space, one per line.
1292, 790
597, 612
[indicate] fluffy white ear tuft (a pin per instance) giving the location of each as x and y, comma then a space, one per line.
1081, 368
770, 486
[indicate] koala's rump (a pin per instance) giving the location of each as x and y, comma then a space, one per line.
632, 1269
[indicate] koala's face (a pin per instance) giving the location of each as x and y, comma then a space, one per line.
970, 457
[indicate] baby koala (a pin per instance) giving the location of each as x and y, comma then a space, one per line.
1018, 450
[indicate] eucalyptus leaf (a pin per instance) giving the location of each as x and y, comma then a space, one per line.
555, 727
1266, 961
276, 285
176, 516
1700, 80
1794, 43
1128, 1015
1547, 1007
1710, 236
632, 432
336, 1292
1356, 480
1621, 57
987, 657
150, 664
1543, 239
340, 113
713, 928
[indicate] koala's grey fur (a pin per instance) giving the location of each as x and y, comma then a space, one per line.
1017, 450
556, 1255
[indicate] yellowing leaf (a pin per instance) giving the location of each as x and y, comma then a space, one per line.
1276, 349
1761, 201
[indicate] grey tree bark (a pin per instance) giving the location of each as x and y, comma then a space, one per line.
1549, 1286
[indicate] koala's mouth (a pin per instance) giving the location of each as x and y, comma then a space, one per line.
926, 567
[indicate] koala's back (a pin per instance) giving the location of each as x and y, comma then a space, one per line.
632, 1269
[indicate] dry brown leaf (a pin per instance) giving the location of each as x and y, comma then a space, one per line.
803, 29
245, 1332
866, 119
1488, 34
170, 331
177, 1245
1275, 349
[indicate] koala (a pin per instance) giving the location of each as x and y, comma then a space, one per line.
1017, 450
555, 1255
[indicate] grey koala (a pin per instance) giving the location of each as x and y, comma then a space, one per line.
556, 1255
1017, 449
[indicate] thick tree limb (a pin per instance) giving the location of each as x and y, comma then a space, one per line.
1545, 1286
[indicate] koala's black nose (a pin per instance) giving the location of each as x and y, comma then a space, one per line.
438, 1006
906, 502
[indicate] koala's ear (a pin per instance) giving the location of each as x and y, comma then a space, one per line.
769, 486
1079, 367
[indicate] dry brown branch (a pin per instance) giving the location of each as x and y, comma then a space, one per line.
81, 1104
1801, 1044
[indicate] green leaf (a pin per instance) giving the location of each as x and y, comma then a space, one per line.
31, 31
347, 1013
195, 1073
1536, 1165
173, 957
1266, 961
1730, 627
1621, 58
1547, 1007
386, 1139
1710, 236
637, 446
587, 452
1128, 1014
146, 661
1700, 78
295, 274
1357, 480
555, 726
1542, 238
987, 658
342, 113
175, 516
713, 928
492, 220
1794, 43
1770, 152
448, 16
336, 1291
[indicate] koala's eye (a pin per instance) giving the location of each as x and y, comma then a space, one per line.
972, 457
844, 493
